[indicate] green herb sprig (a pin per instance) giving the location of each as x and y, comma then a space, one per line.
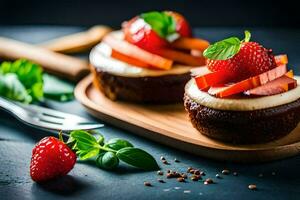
226, 48
109, 153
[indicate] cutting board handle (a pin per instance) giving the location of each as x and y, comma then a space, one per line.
62, 65
77, 42
56, 63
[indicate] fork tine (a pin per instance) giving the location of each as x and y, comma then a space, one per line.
49, 112
54, 120
49, 119
60, 127
87, 126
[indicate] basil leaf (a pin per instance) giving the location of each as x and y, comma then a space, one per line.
223, 50
83, 155
163, 24
29, 74
12, 88
84, 140
57, 89
117, 144
137, 158
107, 160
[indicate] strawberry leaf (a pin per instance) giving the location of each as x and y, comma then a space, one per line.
224, 49
247, 36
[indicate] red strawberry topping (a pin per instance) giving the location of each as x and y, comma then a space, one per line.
139, 33
182, 25
251, 60
51, 158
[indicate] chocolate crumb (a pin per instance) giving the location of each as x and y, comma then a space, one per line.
160, 173
147, 184
180, 179
165, 162
225, 171
252, 187
160, 180
209, 180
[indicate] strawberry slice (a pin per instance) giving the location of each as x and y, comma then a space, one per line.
281, 59
190, 44
180, 57
137, 53
119, 56
212, 78
277, 86
253, 82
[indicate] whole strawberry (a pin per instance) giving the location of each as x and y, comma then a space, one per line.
242, 59
51, 158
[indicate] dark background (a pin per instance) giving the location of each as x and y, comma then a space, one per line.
251, 13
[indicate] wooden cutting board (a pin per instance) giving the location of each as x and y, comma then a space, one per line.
169, 125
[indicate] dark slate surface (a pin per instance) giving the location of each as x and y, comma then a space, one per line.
88, 182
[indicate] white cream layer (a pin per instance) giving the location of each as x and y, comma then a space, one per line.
245, 104
100, 58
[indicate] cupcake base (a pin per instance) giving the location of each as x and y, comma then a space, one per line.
244, 127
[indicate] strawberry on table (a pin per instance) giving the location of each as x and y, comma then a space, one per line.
51, 158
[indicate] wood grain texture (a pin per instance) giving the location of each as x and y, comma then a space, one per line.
169, 124
77, 42
59, 64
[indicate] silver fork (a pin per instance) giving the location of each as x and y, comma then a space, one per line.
46, 118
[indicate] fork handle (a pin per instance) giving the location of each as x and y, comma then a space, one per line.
10, 106
62, 65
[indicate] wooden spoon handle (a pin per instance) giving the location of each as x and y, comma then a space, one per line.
56, 63
78, 42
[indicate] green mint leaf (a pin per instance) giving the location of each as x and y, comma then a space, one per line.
163, 24
223, 50
84, 140
117, 144
57, 89
137, 158
29, 74
12, 88
107, 160
83, 155
247, 36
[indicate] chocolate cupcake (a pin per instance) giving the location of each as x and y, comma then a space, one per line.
240, 119
122, 81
